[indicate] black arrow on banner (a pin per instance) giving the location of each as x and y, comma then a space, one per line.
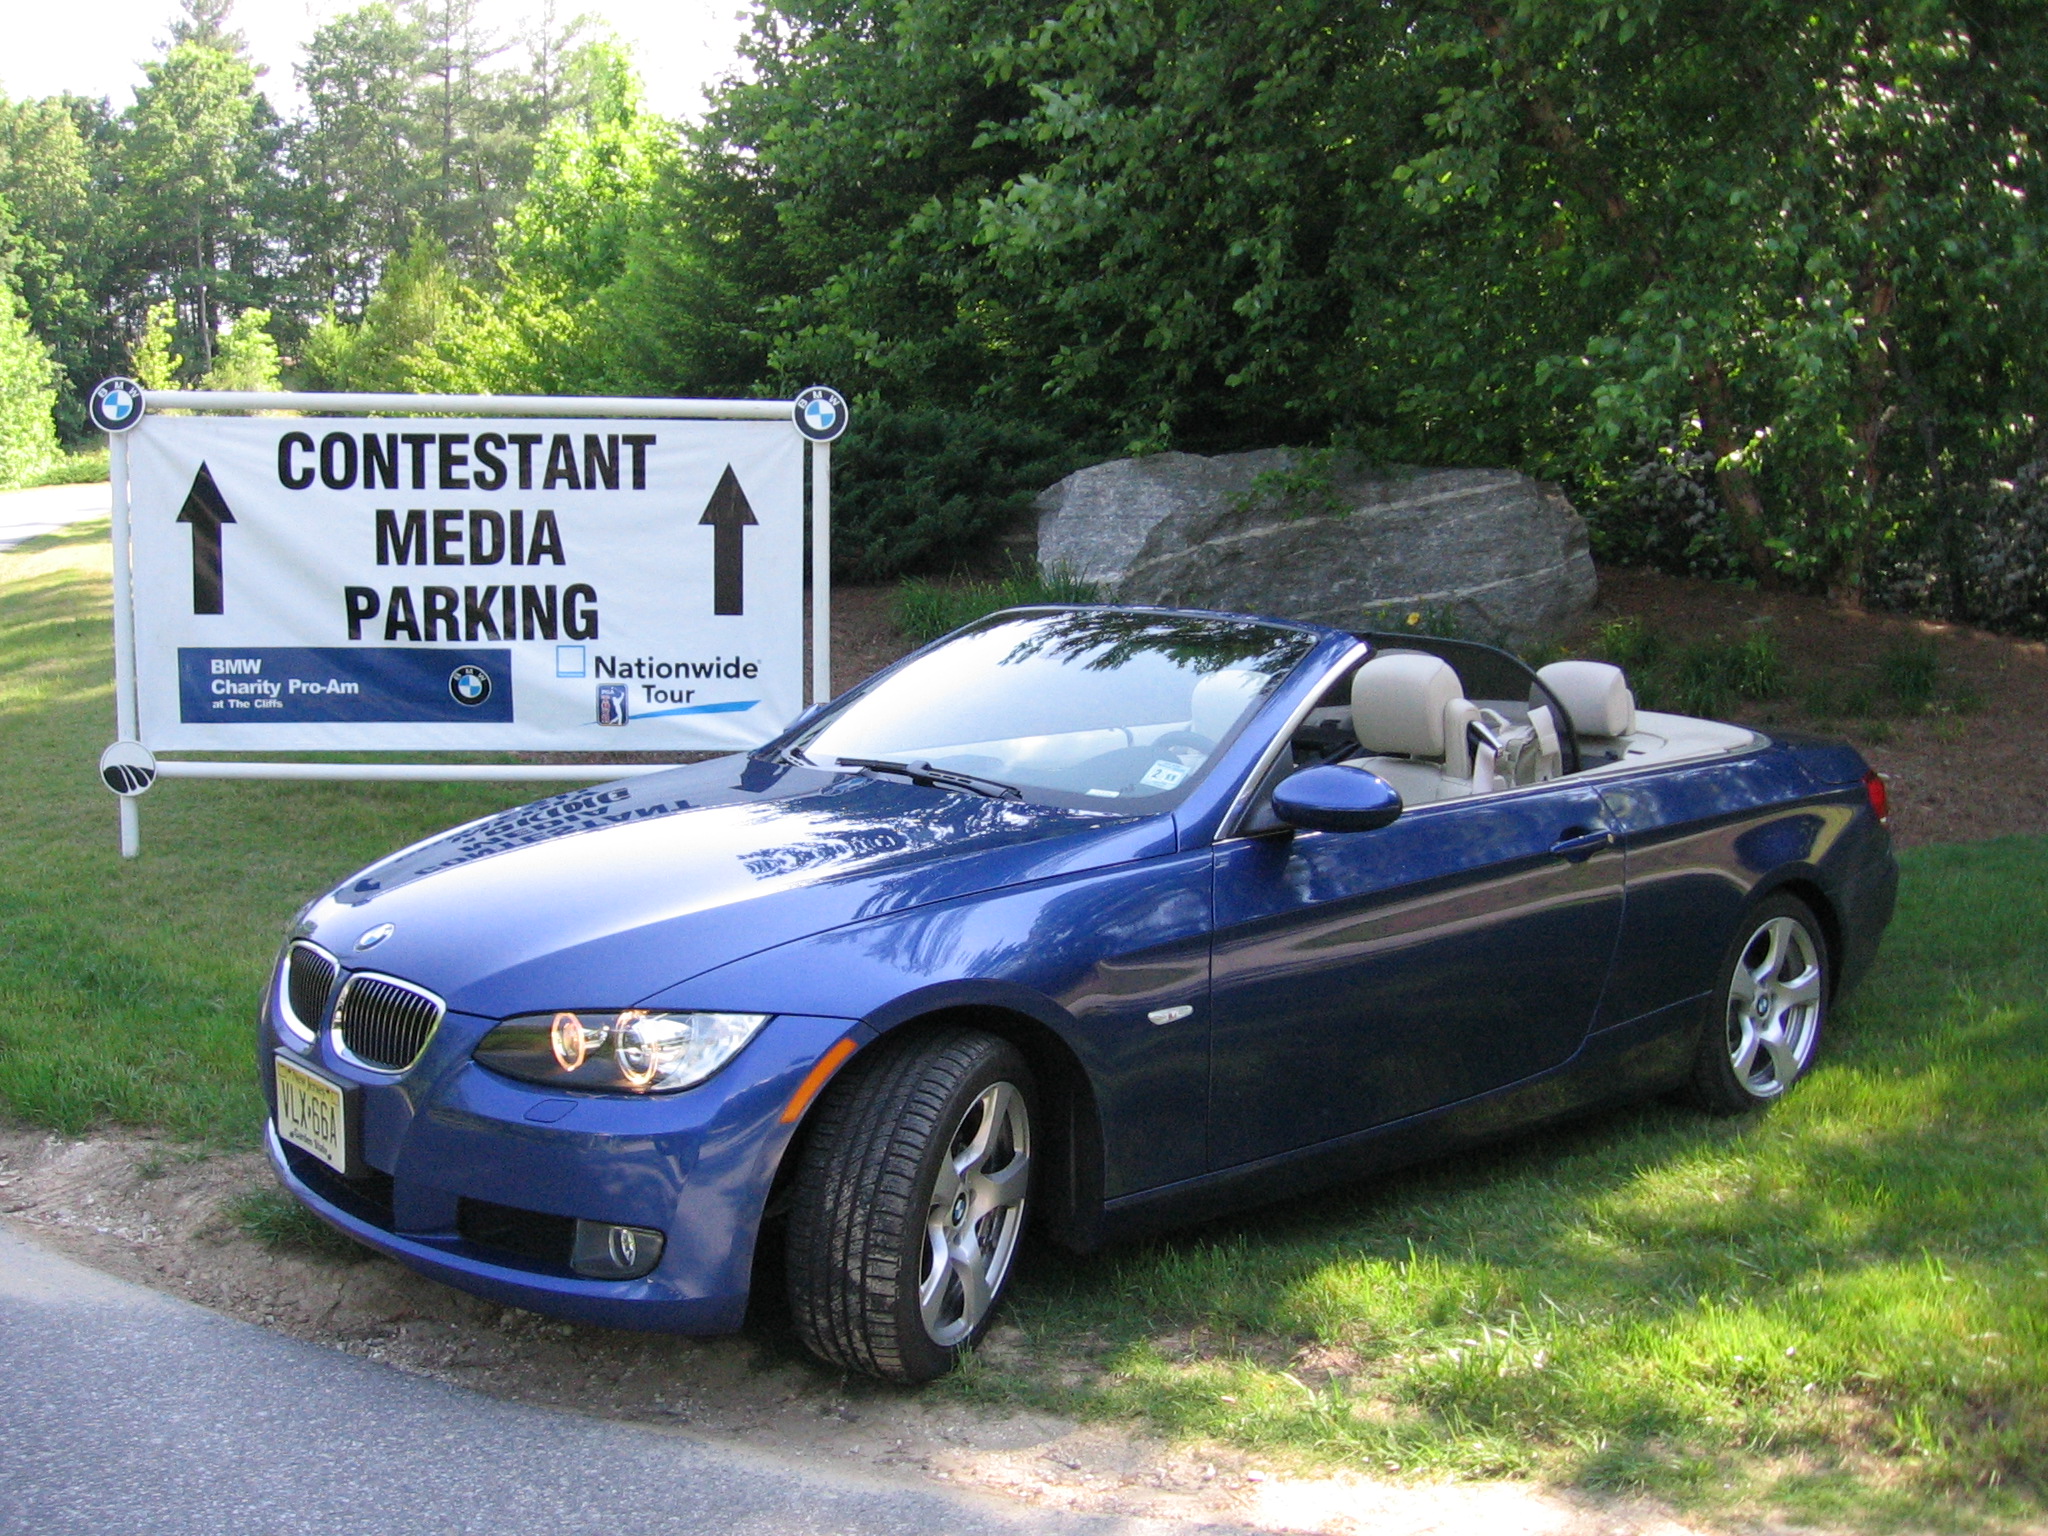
728, 514
205, 509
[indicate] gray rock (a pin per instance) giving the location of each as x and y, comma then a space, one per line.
1498, 554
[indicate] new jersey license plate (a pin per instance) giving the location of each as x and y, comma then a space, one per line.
312, 1113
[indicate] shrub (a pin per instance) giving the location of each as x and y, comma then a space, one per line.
28, 395
927, 489
926, 610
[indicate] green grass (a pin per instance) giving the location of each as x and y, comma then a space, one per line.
1703, 677
1836, 1310
277, 1221
128, 987
926, 610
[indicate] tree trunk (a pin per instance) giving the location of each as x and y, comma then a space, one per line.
1745, 505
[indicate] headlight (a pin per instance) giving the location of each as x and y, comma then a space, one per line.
630, 1052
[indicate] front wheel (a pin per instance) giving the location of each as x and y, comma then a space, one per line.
909, 1202
1773, 998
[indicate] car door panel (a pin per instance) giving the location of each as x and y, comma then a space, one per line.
1697, 839
1359, 978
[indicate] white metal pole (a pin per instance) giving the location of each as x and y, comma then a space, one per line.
124, 630
821, 572
339, 404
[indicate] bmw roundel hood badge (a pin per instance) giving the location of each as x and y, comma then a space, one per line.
372, 937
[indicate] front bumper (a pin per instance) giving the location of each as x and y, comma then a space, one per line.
449, 1138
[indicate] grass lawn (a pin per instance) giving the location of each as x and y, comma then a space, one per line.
1837, 1310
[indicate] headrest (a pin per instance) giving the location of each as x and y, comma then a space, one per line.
1219, 699
1595, 695
1397, 703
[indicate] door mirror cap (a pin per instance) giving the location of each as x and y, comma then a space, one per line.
1334, 798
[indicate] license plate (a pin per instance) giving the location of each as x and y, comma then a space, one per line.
312, 1114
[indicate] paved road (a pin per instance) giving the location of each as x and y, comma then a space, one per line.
126, 1411
29, 514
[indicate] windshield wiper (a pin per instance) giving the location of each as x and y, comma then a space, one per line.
926, 776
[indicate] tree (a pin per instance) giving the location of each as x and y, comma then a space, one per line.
200, 157
356, 177
246, 358
51, 240
28, 434
155, 363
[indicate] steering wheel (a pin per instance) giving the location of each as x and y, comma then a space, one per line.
1201, 744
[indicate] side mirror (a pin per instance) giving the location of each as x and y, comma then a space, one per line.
1334, 798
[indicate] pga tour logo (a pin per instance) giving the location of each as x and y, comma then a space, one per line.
820, 413
612, 708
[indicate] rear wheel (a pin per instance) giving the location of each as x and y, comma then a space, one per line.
1773, 1000
909, 1203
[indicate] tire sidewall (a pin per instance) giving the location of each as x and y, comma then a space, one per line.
1715, 1082
923, 1356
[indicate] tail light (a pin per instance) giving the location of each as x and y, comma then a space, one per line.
1880, 797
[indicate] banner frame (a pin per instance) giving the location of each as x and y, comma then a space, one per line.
314, 405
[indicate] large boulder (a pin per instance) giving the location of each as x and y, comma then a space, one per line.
1490, 552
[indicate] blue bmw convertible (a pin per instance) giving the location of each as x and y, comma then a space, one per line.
1078, 922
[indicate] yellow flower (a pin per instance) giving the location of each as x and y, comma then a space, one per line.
1414, 619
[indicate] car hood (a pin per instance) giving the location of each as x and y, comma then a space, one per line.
603, 897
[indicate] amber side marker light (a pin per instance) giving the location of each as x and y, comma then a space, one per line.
815, 1079
1880, 796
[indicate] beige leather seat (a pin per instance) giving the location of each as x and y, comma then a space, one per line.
1410, 715
1595, 695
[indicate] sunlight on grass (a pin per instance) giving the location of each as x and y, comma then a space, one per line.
128, 988
1834, 1311
1837, 1310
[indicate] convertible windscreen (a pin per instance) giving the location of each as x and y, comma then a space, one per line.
1075, 707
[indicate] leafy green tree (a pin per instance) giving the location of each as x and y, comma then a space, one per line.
246, 357
200, 162
52, 240
394, 346
354, 168
155, 364
28, 434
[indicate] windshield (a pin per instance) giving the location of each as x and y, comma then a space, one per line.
1099, 707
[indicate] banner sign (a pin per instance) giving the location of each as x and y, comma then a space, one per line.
515, 584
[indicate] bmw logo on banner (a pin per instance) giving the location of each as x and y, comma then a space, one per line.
469, 685
820, 413
115, 405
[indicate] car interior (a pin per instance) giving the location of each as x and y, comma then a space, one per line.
1450, 719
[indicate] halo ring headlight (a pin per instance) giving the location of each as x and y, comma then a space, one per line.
636, 1050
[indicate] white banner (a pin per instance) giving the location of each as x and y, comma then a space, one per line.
440, 583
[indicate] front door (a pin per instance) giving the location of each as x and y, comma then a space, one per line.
1363, 977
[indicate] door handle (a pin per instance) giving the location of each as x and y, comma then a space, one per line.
1576, 845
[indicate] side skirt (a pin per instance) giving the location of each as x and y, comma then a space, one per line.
1629, 1061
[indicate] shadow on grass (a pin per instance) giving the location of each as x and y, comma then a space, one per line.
1834, 1309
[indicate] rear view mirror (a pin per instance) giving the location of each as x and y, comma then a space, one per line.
1334, 798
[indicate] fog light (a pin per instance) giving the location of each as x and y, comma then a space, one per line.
606, 1252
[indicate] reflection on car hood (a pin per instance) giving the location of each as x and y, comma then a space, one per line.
601, 897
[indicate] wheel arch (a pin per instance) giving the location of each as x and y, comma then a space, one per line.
1068, 1196
1806, 886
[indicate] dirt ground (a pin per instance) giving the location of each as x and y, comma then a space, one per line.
156, 1214
1954, 776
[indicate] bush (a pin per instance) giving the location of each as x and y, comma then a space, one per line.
1988, 566
930, 489
28, 395
926, 610
1663, 515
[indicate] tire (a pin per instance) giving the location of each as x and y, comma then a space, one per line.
908, 1204
1773, 996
